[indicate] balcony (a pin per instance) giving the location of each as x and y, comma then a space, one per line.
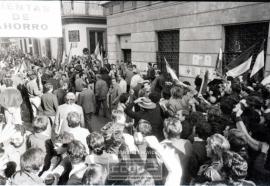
82, 8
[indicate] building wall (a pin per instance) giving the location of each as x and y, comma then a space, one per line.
79, 46
201, 26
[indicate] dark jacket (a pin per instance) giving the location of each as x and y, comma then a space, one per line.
153, 116
86, 99
49, 104
101, 89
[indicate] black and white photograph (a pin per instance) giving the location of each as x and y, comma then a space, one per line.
134, 93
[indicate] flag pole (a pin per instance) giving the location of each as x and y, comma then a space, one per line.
69, 52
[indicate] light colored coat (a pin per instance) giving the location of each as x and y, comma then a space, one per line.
61, 116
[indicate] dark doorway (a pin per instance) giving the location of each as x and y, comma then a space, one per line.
127, 55
168, 47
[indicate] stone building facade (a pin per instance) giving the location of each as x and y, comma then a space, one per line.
188, 34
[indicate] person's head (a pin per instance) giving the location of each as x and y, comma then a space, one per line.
149, 65
118, 116
198, 81
227, 104
237, 140
98, 76
18, 138
60, 142
63, 85
96, 143
32, 75
76, 151
181, 115
203, 129
40, 124
85, 51
63, 76
155, 66
117, 137
48, 87
172, 128
113, 66
123, 98
236, 88
8, 82
216, 145
144, 127
70, 98
177, 92
73, 119
94, 175
78, 75
114, 82
32, 160
235, 166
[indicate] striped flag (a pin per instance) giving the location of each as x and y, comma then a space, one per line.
170, 70
266, 80
259, 63
242, 63
218, 67
97, 50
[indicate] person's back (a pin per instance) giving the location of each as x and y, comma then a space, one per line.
101, 89
86, 100
49, 104
63, 110
79, 84
106, 78
31, 164
79, 133
39, 138
61, 92
172, 131
156, 121
129, 74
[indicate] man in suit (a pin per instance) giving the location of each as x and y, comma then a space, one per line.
101, 90
62, 112
86, 100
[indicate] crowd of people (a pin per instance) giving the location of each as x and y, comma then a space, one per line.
162, 131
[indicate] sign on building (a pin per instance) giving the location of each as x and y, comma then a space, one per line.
30, 19
73, 36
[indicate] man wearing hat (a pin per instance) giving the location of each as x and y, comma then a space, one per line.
148, 111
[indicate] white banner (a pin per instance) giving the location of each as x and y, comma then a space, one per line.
30, 19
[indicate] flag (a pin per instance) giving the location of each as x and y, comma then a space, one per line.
218, 67
266, 80
239, 70
170, 70
99, 54
242, 63
259, 63
97, 50
69, 53
63, 58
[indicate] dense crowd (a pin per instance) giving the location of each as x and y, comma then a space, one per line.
162, 131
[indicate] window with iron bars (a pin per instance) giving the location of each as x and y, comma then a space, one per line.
238, 38
168, 47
